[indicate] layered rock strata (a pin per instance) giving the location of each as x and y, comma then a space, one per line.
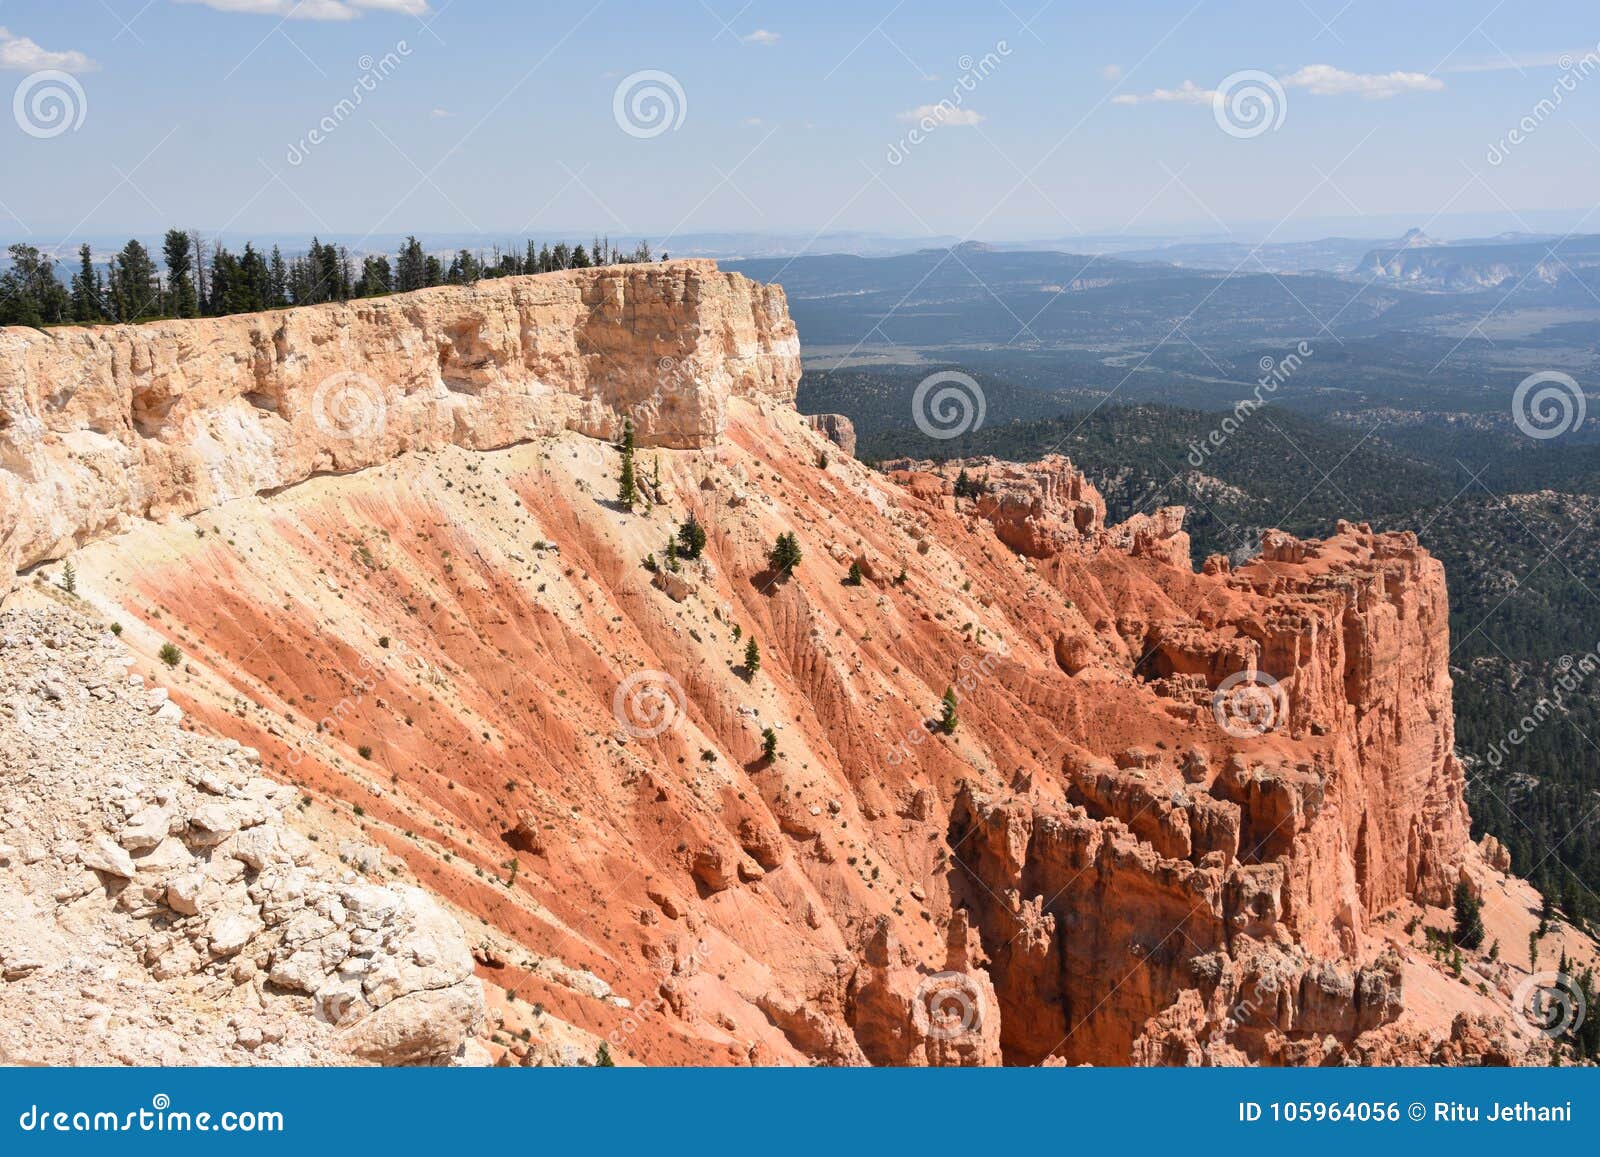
101, 426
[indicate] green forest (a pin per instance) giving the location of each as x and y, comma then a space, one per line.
193, 278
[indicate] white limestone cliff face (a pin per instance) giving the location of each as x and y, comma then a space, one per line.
104, 425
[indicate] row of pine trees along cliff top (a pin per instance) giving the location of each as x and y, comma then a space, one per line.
199, 279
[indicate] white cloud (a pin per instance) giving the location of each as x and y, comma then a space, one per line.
944, 114
1186, 93
1317, 79
315, 9
753, 122
761, 36
1111, 71
441, 113
23, 55
1326, 80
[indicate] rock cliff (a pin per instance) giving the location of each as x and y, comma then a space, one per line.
1179, 815
105, 425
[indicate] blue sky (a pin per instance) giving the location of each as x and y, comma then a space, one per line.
501, 117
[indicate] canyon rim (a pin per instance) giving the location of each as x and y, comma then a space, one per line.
356, 624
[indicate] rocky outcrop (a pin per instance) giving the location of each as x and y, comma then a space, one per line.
1318, 787
1178, 815
105, 425
157, 906
903, 1015
836, 428
1046, 508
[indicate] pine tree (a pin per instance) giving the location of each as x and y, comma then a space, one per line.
197, 258
691, 537
411, 269
134, 291
769, 744
69, 577
228, 291
277, 280
182, 300
1571, 903
854, 577
376, 279
88, 293
785, 553
947, 711
255, 280
752, 658
1469, 917
627, 488
1587, 1031
602, 1058
29, 291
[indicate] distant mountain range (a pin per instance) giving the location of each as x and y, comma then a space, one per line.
1493, 263
1414, 260
975, 296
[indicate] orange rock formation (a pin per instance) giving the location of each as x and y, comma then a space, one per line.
1183, 816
